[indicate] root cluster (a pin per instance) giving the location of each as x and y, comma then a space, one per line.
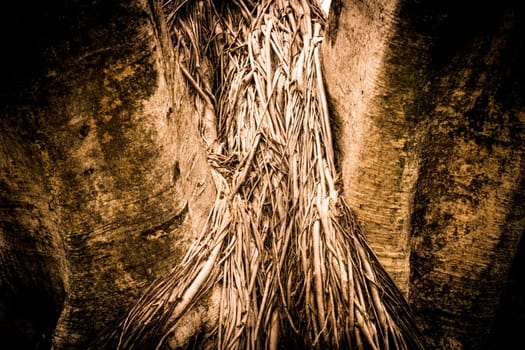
285, 250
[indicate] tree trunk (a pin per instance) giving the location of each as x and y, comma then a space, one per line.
374, 138
431, 122
103, 176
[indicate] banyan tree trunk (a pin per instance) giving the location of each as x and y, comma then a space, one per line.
102, 176
429, 101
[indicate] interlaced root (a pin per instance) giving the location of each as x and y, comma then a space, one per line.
285, 250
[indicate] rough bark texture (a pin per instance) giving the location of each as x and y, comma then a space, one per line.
102, 170
469, 213
431, 116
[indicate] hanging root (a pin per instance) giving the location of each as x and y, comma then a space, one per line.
280, 243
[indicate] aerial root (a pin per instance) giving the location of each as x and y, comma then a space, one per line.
280, 242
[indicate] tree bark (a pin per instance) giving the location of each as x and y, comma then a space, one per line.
431, 126
103, 171
373, 136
